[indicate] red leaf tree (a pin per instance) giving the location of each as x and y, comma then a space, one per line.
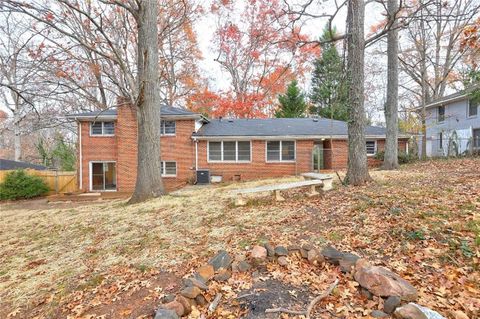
259, 56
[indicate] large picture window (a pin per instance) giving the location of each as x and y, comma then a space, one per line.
229, 151
279, 151
102, 128
169, 169
167, 127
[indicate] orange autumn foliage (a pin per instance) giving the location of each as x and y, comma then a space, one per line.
259, 56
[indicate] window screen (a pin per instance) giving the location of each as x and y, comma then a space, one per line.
108, 128
288, 150
169, 168
472, 108
215, 151
441, 113
273, 151
229, 151
96, 128
168, 127
243, 151
370, 147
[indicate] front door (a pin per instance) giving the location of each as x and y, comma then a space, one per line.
104, 177
317, 157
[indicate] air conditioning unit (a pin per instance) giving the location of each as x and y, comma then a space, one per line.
203, 176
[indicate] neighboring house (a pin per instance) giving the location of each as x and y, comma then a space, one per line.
12, 165
453, 125
230, 149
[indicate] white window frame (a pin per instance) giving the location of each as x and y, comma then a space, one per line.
221, 152
468, 110
444, 113
162, 128
375, 146
164, 168
103, 129
90, 175
281, 148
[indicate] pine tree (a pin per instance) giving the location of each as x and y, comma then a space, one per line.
329, 91
292, 103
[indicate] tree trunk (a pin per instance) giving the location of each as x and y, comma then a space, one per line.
149, 181
357, 173
391, 108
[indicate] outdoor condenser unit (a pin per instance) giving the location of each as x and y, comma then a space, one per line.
203, 176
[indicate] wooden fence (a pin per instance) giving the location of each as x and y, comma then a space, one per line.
57, 181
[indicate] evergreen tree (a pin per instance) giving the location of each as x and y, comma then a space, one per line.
329, 93
292, 103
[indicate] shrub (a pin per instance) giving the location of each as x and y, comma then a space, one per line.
18, 184
403, 157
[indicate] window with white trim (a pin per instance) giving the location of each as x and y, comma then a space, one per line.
167, 127
102, 128
280, 151
371, 147
169, 169
472, 108
229, 151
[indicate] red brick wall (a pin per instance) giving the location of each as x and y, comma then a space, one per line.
126, 135
122, 148
95, 148
180, 148
258, 168
336, 157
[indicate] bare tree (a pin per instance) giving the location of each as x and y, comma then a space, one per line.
100, 33
357, 173
391, 106
356, 42
430, 51
20, 78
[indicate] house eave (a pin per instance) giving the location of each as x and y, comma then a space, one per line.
285, 137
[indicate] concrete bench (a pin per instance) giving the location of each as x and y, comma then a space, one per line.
276, 188
325, 178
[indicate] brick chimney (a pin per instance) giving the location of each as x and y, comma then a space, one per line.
126, 146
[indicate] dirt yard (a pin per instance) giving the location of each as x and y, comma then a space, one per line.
111, 260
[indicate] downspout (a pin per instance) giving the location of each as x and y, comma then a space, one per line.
196, 154
80, 156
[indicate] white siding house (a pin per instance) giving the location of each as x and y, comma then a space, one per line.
453, 126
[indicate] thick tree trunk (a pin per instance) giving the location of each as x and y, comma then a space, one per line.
391, 108
357, 173
149, 181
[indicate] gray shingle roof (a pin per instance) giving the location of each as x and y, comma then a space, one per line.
458, 96
166, 110
10, 165
280, 127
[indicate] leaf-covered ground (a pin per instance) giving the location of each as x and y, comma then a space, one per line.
113, 260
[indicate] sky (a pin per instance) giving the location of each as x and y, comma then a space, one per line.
206, 26
205, 29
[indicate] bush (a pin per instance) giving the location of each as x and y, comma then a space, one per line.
19, 184
403, 157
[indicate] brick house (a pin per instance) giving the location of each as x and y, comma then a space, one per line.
230, 149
